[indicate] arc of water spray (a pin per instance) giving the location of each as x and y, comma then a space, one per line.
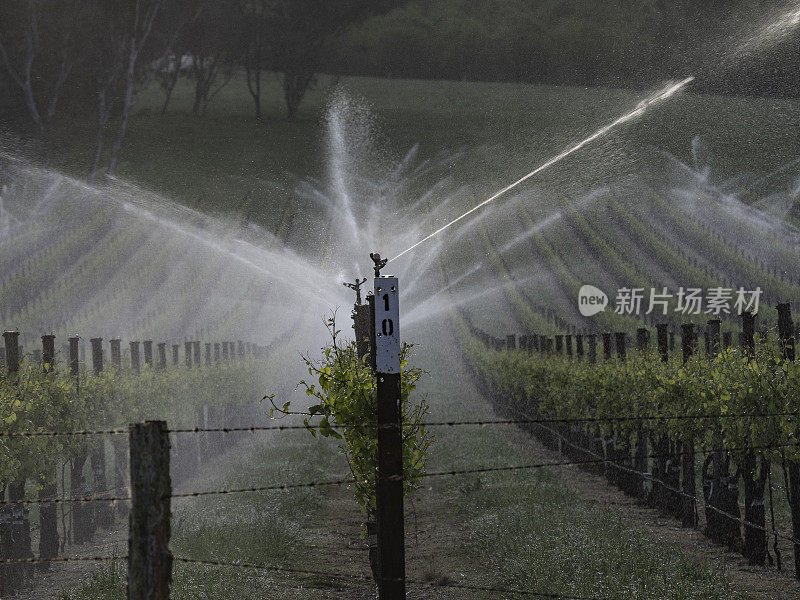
640, 109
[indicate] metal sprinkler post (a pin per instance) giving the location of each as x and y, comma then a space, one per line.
389, 484
361, 316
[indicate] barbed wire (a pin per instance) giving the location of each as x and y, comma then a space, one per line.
266, 488
77, 432
492, 422
62, 559
96, 497
254, 429
469, 471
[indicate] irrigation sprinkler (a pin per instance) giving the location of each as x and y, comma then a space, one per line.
389, 486
379, 262
356, 287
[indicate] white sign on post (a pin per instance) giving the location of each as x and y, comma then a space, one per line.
387, 325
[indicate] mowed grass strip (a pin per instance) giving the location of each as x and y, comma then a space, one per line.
528, 529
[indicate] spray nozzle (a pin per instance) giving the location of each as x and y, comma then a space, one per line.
379, 262
356, 287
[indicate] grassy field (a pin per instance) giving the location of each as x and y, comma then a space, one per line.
214, 162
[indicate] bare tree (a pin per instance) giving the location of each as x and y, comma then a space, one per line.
136, 79
168, 77
130, 50
255, 53
216, 44
21, 47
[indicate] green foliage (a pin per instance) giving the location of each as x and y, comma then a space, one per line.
347, 404
34, 401
730, 383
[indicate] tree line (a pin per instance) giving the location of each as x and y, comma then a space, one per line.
61, 58
626, 43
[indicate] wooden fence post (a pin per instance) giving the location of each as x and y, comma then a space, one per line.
689, 511
187, 351
606, 336
579, 345
559, 344
216, 352
642, 339
224, 350
162, 356
620, 342
118, 442
713, 329
82, 526
18, 531
663, 341
135, 357
11, 339
148, 353
568, 344
175, 354
116, 352
786, 334
642, 433
785, 330
48, 516
592, 339
208, 354
533, 343
149, 557
196, 352
104, 515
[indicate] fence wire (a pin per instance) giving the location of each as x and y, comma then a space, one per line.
531, 421
61, 559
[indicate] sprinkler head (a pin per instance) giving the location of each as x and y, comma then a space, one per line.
379, 262
356, 287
